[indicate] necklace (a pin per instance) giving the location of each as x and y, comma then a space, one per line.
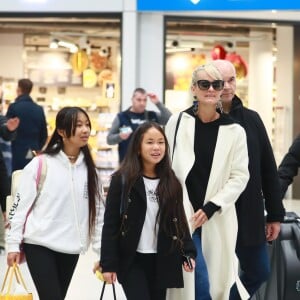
72, 158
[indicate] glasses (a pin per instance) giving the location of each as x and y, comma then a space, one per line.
204, 85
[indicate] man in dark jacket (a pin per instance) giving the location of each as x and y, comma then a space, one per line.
289, 166
32, 131
128, 120
262, 191
7, 132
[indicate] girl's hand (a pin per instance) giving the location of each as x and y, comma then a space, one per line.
96, 267
186, 267
110, 277
97, 271
13, 257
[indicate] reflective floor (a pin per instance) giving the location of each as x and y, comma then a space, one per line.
84, 284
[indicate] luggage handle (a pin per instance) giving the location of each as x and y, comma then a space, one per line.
296, 234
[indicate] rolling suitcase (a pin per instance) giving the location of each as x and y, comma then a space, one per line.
284, 282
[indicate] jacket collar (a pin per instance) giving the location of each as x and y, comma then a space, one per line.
24, 97
139, 187
236, 103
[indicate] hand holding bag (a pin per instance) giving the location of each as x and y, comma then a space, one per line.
100, 277
6, 290
103, 289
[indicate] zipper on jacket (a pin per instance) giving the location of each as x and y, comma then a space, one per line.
72, 167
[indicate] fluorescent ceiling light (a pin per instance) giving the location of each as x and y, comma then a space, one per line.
180, 49
35, 1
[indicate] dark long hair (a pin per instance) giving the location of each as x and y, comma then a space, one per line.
66, 120
169, 190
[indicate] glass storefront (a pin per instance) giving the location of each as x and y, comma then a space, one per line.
72, 62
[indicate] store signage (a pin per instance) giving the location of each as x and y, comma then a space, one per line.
191, 5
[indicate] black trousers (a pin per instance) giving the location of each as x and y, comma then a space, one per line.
51, 271
140, 282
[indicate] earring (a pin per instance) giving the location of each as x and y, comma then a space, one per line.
195, 107
219, 107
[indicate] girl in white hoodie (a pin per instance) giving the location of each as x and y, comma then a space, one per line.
54, 225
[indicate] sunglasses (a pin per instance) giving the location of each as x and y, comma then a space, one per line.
204, 85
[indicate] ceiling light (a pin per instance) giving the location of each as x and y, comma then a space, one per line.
182, 49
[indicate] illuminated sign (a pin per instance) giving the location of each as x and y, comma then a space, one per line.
217, 5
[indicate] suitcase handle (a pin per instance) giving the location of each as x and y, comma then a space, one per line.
296, 234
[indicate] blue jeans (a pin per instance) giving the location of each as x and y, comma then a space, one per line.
255, 268
201, 274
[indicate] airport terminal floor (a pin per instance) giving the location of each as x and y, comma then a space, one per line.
84, 282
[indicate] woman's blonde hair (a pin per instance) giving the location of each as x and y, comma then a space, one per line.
210, 70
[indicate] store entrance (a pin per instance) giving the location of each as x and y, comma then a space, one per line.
72, 61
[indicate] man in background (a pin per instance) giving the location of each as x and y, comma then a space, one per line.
262, 191
127, 121
32, 131
289, 166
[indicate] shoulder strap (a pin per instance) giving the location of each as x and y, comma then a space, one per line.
146, 115
122, 205
124, 115
175, 135
150, 116
41, 173
40, 178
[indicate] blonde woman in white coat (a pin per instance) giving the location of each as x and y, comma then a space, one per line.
210, 159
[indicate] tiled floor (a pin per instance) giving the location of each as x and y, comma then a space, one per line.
85, 285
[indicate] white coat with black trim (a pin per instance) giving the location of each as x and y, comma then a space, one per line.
228, 178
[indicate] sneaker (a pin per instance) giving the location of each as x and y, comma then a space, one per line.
2, 250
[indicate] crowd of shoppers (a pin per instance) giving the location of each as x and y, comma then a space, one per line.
193, 195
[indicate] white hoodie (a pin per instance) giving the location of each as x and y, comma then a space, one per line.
59, 218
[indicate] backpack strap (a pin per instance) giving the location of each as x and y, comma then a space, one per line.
124, 118
40, 178
175, 135
122, 205
41, 173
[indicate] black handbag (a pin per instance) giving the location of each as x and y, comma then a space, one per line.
103, 289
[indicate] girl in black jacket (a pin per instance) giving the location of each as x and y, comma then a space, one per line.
145, 236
